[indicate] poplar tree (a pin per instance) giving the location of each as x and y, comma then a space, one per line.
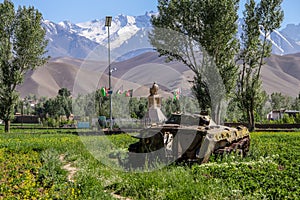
64, 101
260, 20
202, 35
22, 46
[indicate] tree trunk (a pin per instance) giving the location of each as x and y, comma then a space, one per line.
7, 126
251, 120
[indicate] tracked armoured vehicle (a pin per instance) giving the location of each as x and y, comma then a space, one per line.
190, 138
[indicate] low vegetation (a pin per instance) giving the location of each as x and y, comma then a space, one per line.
33, 166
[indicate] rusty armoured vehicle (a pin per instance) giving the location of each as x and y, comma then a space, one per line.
189, 138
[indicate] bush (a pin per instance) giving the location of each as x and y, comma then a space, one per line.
288, 119
67, 123
50, 122
51, 172
297, 119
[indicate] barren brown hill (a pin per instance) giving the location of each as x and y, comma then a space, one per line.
280, 74
57, 73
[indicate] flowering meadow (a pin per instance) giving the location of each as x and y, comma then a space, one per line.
51, 165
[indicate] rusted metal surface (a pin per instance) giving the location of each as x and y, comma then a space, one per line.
192, 138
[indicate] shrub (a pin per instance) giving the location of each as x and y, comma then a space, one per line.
288, 119
51, 122
297, 119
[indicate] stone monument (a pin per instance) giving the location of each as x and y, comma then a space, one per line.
154, 114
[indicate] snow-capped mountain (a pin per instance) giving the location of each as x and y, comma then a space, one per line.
63, 40
129, 37
127, 33
292, 31
122, 29
282, 43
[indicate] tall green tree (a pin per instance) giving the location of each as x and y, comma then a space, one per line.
64, 102
170, 106
202, 35
58, 106
138, 107
296, 104
39, 108
22, 46
280, 101
260, 20
50, 108
102, 104
248, 84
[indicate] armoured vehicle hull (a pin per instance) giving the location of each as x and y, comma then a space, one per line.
191, 138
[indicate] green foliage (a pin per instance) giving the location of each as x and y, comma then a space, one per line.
18, 170
297, 118
201, 35
184, 104
170, 106
268, 172
286, 119
64, 102
138, 107
51, 171
95, 104
24, 106
54, 107
280, 101
102, 104
39, 107
50, 122
87, 105
265, 17
276, 101
234, 113
296, 104
30, 168
200, 91
22, 46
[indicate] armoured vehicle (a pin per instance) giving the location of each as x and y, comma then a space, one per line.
190, 138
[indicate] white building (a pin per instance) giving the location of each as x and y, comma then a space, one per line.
278, 114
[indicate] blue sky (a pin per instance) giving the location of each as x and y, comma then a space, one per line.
86, 10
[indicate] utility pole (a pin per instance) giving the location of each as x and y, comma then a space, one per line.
108, 24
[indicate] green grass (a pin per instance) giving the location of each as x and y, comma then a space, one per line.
30, 168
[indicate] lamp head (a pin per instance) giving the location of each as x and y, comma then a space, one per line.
108, 21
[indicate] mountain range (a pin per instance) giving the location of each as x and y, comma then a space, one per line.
79, 60
127, 34
130, 34
280, 74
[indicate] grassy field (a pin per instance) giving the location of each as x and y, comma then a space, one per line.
58, 166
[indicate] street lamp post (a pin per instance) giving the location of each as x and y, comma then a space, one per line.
108, 24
